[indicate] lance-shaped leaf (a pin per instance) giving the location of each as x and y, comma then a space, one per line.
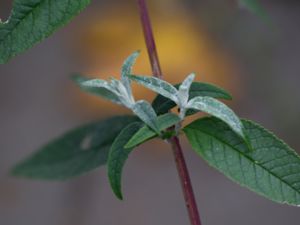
118, 156
126, 70
218, 109
271, 169
162, 104
145, 133
157, 85
146, 113
77, 152
32, 21
184, 88
103, 92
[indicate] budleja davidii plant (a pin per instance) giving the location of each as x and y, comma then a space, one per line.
242, 150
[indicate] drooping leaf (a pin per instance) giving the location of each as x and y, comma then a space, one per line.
126, 69
146, 113
271, 168
162, 104
217, 109
103, 92
118, 156
184, 89
145, 133
31, 21
157, 85
77, 152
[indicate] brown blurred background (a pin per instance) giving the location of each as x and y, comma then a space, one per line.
222, 44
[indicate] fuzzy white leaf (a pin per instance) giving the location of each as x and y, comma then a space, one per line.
121, 91
146, 113
157, 85
183, 92
126, 70
97, 87
218, 109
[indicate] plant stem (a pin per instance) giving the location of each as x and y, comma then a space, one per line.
174, 141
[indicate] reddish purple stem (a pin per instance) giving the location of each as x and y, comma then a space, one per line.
176, 147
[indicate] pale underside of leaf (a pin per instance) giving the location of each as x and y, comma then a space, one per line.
127, 69
157, 85
103, 92
75, 153
31, 21
217, 109
118, 156
271, 168
184, 88
145, 133
162, 105
146, 113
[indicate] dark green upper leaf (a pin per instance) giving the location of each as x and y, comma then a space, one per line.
118, 155
77, 152
145, 133
270, 168
162, 104
31, 21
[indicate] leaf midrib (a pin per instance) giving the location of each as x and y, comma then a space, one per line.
253, 161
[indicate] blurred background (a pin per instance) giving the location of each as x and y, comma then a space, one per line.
223, 44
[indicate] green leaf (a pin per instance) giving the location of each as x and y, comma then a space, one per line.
255, 7
118, 155
146, 113
126, 70
31, 21
218, 109
157, 85
145, 133
77, 152
162, 104
271, 168
103, 92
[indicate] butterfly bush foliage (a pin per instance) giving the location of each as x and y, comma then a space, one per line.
242, 150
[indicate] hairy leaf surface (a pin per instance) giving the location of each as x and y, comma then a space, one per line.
118, 156
77, 152
31, 21
157, 85
146, 113
270, 168
162, 104
218, 109
102, 91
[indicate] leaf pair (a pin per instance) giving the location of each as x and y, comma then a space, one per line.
119, 92
181, 98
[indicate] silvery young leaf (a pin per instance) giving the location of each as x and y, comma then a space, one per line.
271, 169
157, 85
126, 70
145, 133
217, 109
31, 21
98, 91
118, 155
184, 88
76, 152
146, 113
162, 105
